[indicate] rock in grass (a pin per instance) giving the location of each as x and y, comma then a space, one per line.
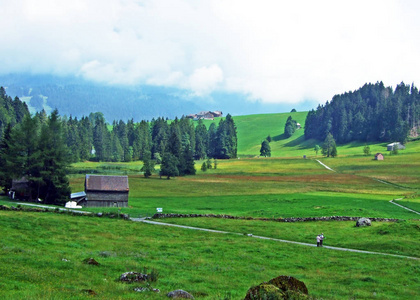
180, 294
91, 261
282, 287
264, 291
130, 277
289, 283
363, 222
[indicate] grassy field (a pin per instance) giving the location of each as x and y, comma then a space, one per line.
41, 258
253, 129
222, 266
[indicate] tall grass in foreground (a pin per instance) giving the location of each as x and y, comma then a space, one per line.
41, 258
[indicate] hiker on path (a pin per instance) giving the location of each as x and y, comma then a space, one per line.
321, 238
318, 240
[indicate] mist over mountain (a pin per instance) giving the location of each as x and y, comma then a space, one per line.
78, 97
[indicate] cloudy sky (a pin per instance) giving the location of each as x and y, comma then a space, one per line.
272, 51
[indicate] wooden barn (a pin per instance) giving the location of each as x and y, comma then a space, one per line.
21, 189
379, 156
105, 191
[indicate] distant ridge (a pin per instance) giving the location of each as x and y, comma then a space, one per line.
78, 97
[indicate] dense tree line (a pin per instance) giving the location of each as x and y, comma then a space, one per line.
12, 111
372, 113
92, 138
39, 148
35, 150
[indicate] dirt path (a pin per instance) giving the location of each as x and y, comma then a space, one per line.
381, 181
402, 206
144, 220
325, 166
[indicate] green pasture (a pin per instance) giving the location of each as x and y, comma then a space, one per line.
275, 187
41, 258
253, 129
222, 266
402, 169
389, 237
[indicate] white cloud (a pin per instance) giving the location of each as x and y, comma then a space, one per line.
273, 51
204, 80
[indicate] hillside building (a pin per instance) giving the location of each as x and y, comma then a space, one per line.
104, 191
396, 145
379, 156
206, 115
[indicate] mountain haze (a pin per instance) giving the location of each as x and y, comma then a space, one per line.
78, 97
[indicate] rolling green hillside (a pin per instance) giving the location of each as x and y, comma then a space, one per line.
253, 129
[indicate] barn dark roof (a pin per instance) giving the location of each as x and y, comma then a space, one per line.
106, 183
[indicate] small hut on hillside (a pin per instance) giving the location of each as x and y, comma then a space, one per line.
21, 189
396, 145
105, 191
379, 156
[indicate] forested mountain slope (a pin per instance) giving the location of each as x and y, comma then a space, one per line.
372, 113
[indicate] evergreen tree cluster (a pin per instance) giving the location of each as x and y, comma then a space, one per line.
92, 138
35, 151
290, 127
372, 113
40, 148
12, 111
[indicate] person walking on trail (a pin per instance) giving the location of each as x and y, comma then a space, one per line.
318, 240
321, 237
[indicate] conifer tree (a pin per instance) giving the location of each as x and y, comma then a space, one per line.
53, 185
201, 140
148, 165
5, 175
169, 166
290, 127
23, 158
265, 149
329, 147
189, 165
204, 166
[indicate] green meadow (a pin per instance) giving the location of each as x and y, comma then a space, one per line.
41, 254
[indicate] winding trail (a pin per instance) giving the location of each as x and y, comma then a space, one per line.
402, 206
325, 166
381, 181
144, 220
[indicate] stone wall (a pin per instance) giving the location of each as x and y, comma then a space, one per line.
331, 218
